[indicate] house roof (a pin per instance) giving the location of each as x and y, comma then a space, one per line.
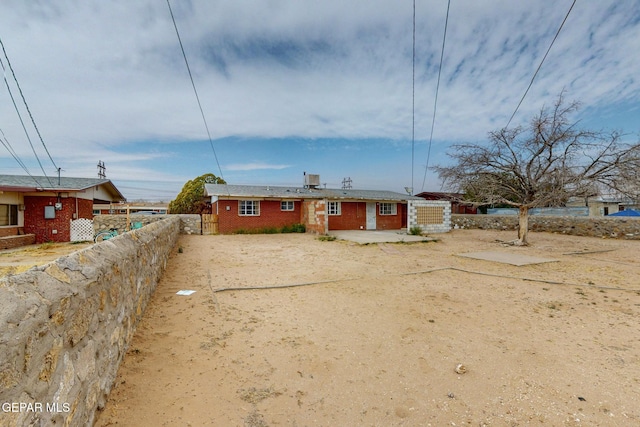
268, 191
23, 184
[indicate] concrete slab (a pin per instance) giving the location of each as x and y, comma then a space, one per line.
507, 258
378, 236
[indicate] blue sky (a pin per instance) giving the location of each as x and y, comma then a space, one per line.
293, 86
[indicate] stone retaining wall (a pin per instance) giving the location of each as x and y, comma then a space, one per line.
610, 227
189, 224
65, 326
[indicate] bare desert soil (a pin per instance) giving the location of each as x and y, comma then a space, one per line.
19, 260
377, 332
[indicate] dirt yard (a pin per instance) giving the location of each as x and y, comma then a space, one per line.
19, 260
387, 335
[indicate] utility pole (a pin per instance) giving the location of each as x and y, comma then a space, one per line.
101, 170
346, 183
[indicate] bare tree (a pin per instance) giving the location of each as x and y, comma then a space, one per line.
544, 164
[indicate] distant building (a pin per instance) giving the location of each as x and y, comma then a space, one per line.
599, 205
134, 207
457, 207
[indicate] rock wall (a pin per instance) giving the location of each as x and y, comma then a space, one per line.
189, 224
609, 227
65, 326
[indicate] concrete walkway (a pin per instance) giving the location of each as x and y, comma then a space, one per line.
378, 236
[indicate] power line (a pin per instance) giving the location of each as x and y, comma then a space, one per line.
15, 106
5, 142
435, 102
27, 105
413, 97
541, 62
194, 89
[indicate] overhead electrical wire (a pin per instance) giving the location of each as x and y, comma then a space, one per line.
27, 105
413, 98
435, 102
5, 142
541, 62
194, 89
15, 106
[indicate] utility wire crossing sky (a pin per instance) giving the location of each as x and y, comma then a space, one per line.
286, 87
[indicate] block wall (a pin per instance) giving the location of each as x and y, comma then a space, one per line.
229, 221
65, 326
56, 229
440, 225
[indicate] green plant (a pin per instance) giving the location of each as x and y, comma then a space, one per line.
326, 238
295, 228
415, 231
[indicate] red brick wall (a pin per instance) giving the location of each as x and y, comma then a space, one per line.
10, 242
389, 222
353, 217
8, 231
270, 216
35, 223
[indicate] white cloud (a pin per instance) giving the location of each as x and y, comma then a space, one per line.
100, 76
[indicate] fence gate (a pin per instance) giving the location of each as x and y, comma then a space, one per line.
81, 230
209, 224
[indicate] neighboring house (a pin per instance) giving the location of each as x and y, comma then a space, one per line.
247, 207
44, 206
599, 205
134, 207
457, 207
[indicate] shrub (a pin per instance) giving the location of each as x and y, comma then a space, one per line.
295, 228
415, 231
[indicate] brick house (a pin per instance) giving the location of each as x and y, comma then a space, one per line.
41, 208
320, 210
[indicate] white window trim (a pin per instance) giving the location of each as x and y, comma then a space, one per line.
337, 210
393, 206
255, 209
288, 203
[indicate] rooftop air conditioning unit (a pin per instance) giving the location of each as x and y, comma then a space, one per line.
311, 180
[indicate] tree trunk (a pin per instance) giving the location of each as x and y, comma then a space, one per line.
523, 226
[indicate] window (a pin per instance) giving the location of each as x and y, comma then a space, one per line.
8, 215
248, 208
334, 208
388, 209
286, 205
